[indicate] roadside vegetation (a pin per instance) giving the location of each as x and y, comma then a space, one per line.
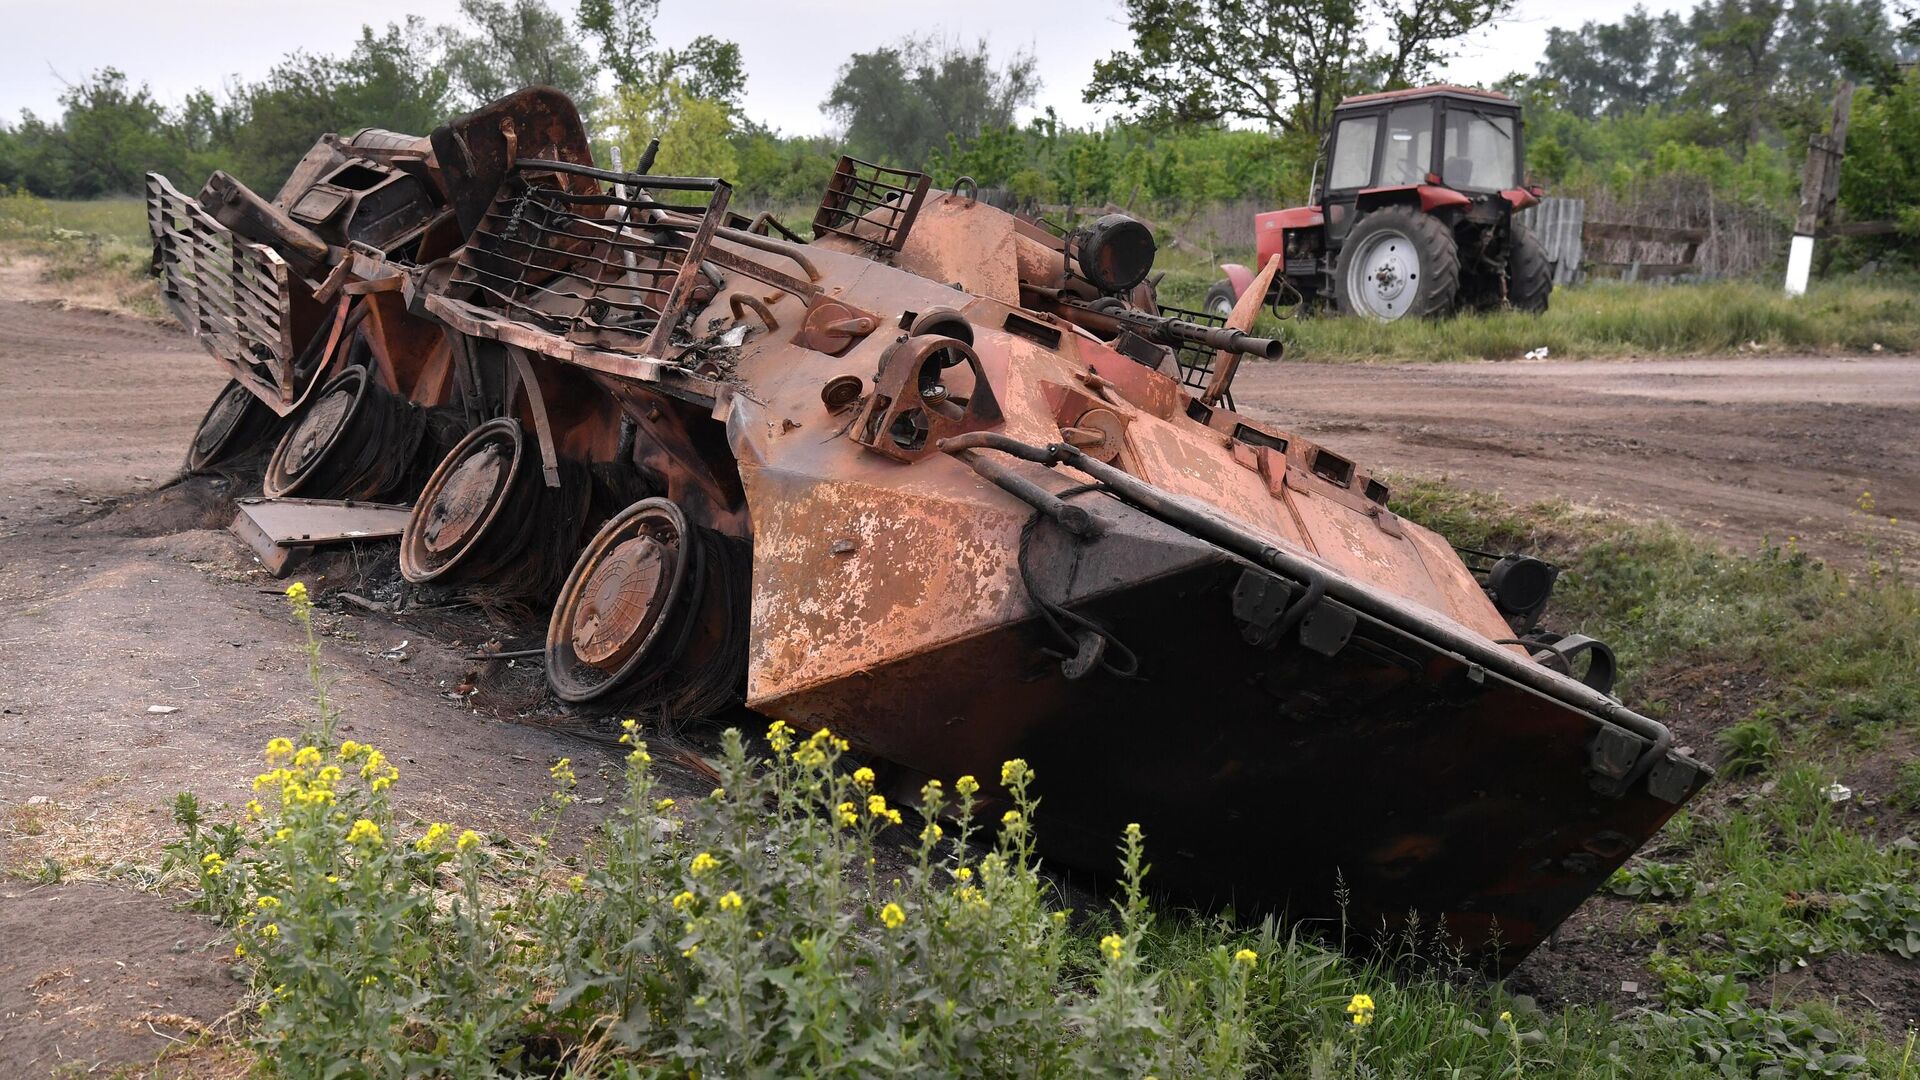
1849, 315
794, 922
92, 253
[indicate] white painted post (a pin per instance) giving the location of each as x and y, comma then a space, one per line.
1799, 265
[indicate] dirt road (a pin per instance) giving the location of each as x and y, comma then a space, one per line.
1739, 449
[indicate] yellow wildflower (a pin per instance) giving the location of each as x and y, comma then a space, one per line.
267, 903
847, 814
436, 832
239, 950
306, 757
1113, 945
663, 805
350, 750
717, 793
966, 786
283, 835
577, 883
1506, 1017
278, 748
328, 775
297, 591
702, 863
562, 772
931, 833
639, 757
683, 901
1012, 821
213, 863
779, 736
271, 930
863, 776
965, 873
1014, 772
364, 832
254, 809
468, 841
731, 901
1360, 1009
893, 916
689, 951
877, 805
1247, 957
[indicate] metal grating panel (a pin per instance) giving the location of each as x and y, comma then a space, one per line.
1557, 222
611, 267
870, 202
1196, 360
230, 294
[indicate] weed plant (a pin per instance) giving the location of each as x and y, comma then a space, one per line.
793, 922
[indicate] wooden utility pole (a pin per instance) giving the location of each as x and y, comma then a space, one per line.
1819, 189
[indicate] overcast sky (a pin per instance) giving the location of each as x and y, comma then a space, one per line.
791, 47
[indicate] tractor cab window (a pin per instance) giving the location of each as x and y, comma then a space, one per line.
1479, 150
1352, 153
1408, 156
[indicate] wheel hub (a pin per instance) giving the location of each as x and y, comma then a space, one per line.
1385, 276
227, 412
621, 602
462, 502
317, 429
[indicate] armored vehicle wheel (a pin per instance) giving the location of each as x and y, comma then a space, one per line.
625, 611
235, 423
1397, 262
461, 525
353, 441
1529, 274
1220, 299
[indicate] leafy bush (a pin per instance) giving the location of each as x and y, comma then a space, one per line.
1751, 746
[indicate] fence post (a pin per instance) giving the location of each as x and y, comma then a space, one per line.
1819, 189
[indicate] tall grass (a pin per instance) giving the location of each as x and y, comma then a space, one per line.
1606, 319
93, 253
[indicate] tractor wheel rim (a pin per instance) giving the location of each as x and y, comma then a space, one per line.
1384, 275
1222, 307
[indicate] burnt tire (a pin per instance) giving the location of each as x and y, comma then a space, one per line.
1398, 262
1529, 273
235, 425
1220, 299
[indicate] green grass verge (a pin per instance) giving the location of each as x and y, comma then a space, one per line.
1606, 319
95, 253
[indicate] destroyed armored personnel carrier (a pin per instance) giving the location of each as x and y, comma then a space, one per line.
937, 476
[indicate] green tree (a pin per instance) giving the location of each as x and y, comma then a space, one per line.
1281, 63
707, 67
692, 131
902, 101
516, 43
1609, 69
109, 135
1883, 157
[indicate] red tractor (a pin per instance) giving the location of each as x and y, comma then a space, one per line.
1413, 205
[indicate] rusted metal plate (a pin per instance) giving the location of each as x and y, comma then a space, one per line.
283, 531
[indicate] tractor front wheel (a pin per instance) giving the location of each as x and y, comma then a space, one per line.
1220, 299
1398, 262
1529, 274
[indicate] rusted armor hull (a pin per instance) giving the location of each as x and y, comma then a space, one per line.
940, 478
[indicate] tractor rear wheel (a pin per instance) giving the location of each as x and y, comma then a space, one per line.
1529, 274
1398, 262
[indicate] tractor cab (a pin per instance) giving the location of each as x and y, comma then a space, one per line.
1446, 140
1411, 212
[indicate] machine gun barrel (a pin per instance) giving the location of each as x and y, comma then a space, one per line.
1109, 317
1175, 331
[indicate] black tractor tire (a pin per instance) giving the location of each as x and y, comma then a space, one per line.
1407, 260
1529, 273
1220, 299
